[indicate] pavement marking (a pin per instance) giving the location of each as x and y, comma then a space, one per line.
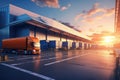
7, 61
13, 59
15, 64
26, 58
27, 71
64, 59
20, 56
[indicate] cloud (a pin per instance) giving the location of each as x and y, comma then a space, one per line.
110, 12
100, 26
51, 3
78, 16
91, 30
94, 10
65, 7
48, 3
94, 14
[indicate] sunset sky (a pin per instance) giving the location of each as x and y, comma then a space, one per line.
89, 16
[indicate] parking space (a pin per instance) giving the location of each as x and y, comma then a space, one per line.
62, 65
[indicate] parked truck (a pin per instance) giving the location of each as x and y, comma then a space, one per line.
22, 45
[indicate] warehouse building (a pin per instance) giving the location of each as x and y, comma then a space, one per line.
18, 22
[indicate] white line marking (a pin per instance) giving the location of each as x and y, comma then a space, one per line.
18, 56
25, 58
7, 61
64, 60
11, 57
15, 64
29, 72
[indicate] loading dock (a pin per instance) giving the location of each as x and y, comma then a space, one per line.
27, 23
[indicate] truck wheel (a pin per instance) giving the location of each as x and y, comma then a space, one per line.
29, 52
25, 52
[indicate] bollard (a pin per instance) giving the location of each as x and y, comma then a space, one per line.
0, 58
3, 58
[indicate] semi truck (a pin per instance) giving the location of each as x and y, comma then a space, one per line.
21, 45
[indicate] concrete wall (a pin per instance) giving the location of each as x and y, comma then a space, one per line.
58, 44
40, 36
37, 32
77, 44
53, 36
69, 43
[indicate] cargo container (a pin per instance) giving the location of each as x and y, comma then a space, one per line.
73, 45
52, 45
22, 45
43, 45
65, 45
80, 45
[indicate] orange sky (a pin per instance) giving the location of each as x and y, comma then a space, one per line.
96, 20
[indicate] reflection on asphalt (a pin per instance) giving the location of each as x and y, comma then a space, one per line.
68, 65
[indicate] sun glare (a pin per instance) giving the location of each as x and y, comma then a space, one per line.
108, 40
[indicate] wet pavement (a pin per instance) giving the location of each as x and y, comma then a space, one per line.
60, 65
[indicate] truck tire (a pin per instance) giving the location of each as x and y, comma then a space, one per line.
29, 52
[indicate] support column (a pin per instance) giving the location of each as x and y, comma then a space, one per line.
46, 34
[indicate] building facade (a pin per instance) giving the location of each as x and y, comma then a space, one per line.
18, 22
4, 23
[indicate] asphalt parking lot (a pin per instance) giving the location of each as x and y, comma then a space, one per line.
60, 65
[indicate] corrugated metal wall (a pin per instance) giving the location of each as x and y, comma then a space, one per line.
4, 23
12, 18
20, 30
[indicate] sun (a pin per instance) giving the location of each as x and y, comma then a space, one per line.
108, 40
